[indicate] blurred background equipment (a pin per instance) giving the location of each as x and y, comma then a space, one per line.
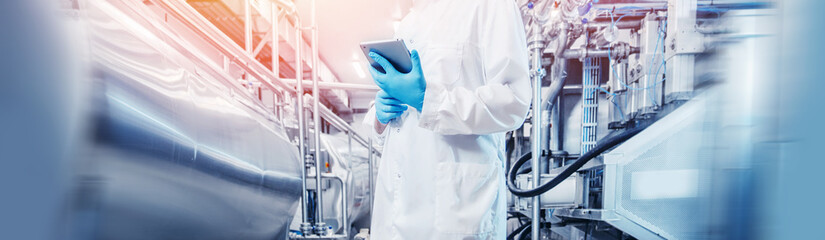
239, 119
650, 111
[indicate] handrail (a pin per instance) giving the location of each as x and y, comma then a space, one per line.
340, 124
225, 45
222, 43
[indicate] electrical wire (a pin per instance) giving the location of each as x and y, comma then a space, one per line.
612, 100
606, 143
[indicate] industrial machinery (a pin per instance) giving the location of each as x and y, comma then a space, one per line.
633, 104
194, 131
200, 124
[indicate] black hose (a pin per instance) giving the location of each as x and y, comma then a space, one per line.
608, 142
518, 230
525, 234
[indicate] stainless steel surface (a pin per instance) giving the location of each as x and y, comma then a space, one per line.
344, 205
340, 124
558, 72
338, 85
611, 218
213, 36
176, 148
537, 74
320, 227
276, 42
681, 45
568, 194
247, 26
302, 128
592, 26
618, 106
278, 97
652, 73
592, 53
660, 179
353, 168
293, 236
372, 175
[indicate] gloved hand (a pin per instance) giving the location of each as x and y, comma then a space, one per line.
387, 108
407, 87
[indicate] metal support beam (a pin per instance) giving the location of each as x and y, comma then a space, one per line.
537, 73
320, 226
372, 180
275, 57
247, 25
276, 43
338, 85
263, 43
306, 228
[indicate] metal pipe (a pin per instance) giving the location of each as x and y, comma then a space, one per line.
372, 181
220, 41
569, 10
593, 26
299, 95
340, 124
537, 74
247, 26
555, 88
289, 8
592, 53
344, 203
276, 44
320, 227
338, 85
276, 60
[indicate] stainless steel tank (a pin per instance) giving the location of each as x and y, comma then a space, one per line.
174, 147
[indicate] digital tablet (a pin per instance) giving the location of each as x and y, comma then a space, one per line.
393, 50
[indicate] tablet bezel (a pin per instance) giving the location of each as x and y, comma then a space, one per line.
395, 51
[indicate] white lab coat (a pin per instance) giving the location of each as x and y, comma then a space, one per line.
442, 171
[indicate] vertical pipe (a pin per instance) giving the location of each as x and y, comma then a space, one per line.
276, 60
299, 97
369, 164
345, 218
247, 26
275, 44
535, 136
316, 117
344, 204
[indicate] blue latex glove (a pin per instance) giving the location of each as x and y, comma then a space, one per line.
407, 87
387, 108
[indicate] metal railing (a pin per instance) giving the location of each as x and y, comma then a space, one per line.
269, 79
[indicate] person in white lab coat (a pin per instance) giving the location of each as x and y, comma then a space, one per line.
442, 171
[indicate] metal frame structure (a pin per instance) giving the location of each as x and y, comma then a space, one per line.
651, 46
245, 57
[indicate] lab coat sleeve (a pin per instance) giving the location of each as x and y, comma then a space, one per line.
369, 122
501, 104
